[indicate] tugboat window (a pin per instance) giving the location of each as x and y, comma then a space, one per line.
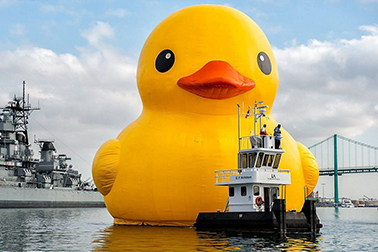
231, 191
256, 190
277, 161
243, 191
265, 160
244, 161
259, 159
271, 157
252, 160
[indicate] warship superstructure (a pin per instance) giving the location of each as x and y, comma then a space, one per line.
47, 181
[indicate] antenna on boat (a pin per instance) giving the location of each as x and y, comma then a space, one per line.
21, 111
23, 95
258, 114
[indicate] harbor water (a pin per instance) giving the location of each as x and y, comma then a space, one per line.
91, 229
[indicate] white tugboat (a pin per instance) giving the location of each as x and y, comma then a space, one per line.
257, 190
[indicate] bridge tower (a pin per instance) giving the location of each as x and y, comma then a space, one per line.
336, 176
349, 156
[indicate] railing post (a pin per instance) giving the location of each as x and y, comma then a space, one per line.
336, 178
239, 126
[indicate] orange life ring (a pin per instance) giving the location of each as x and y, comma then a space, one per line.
259, 201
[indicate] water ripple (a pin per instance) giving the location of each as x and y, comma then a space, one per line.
91, 229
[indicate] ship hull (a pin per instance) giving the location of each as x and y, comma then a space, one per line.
275, 221
18, 197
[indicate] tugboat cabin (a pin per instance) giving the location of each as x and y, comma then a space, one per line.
257, 182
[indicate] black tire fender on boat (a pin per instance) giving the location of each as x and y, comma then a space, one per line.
259, 201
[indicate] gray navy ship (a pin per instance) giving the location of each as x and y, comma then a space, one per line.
47, 181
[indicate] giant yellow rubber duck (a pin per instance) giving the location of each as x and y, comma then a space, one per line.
195, 67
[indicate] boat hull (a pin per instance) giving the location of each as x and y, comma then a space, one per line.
276, 221
19, 197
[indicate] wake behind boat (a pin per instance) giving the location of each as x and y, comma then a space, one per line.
25, 181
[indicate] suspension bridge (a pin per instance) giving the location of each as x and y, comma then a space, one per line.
340, 155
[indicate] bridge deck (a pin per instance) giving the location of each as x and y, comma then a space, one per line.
346, 171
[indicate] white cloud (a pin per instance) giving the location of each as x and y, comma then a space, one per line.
329, 88
63, 9
85, 100
96, 35
120, 13
52, 9
371, 29
17, 29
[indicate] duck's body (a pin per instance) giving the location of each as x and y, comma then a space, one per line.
169, 182
160, 169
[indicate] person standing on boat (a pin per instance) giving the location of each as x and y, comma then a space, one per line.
277, 136
263, 131
263, 134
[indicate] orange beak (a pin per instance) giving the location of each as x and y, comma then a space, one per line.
216, 80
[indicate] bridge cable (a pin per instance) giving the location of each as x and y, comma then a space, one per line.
342, 152
349, 155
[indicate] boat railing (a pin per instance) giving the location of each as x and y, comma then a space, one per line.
245, 143
249, 142
224, 176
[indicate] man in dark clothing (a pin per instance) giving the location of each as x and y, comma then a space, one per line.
277, 136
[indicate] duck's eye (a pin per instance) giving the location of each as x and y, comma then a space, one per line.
165, 61
264, 63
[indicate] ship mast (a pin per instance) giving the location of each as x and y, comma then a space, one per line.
21, 113
24, 114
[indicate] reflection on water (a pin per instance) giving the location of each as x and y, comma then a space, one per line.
130, 238
349, 229
67, 229
145, 238
91, 229
336, 213
39, 227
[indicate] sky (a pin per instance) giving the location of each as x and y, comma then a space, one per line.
79, 61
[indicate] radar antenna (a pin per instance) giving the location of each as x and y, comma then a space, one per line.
20, 111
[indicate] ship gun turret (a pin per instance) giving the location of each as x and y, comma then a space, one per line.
53, 169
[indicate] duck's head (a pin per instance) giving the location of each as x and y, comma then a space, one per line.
206, 59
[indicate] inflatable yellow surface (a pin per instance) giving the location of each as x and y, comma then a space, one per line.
195, 67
